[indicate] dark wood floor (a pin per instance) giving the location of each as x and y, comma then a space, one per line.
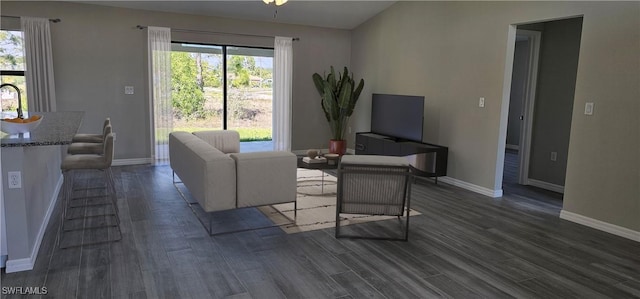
511, 187
464, 245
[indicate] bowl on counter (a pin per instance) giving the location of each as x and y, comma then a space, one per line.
12, 127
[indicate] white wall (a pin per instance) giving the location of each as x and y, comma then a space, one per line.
97, 51
455, 52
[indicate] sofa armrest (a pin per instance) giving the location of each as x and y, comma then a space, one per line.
265, 178
205, 171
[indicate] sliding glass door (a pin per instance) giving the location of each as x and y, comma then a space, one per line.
197, 93
249, 92
222, 87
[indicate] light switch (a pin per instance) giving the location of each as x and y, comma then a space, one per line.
588, 108
128, 90
481, 102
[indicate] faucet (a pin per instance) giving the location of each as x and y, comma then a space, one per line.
19, 100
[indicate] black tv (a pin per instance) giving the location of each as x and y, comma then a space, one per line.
397, 116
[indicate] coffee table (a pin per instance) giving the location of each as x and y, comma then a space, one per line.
318, 166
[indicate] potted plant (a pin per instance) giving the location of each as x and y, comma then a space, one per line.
338, 99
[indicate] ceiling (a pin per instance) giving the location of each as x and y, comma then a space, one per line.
331, 14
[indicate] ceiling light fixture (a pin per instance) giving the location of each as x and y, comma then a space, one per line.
278, 2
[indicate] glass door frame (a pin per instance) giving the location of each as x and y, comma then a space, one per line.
224, 75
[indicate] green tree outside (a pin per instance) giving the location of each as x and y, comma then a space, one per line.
197, 93
187, 96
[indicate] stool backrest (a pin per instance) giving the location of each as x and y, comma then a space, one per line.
107, 122
106, 131
108, 149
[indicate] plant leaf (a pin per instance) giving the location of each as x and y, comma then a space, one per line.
338, 98
319, 83
345, 96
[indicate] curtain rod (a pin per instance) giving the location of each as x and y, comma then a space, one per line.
16, 17
214, 32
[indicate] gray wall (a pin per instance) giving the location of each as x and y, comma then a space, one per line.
97, 51
559, 53
455, 52
518, 84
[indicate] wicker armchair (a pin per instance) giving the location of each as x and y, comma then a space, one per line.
374, 185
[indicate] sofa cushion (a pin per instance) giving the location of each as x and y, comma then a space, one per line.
227, 141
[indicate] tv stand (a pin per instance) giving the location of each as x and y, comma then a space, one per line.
428, 160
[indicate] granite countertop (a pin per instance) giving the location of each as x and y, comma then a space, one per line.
56, 128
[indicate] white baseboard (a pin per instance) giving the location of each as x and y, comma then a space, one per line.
513, 147
601, 225
123, 162
545, 185
26, 264
471, 187
20, 265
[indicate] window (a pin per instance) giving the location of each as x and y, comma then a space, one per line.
222, 87
12, 71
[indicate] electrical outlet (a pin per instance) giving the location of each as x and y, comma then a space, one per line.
481, 102
554, 156
15, 179
128, 90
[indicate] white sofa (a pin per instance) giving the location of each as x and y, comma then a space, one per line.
221, 178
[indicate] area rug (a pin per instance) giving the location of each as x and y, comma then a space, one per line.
316, 205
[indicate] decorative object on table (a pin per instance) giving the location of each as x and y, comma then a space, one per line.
18, 125
314, 160
332, 159
312, 153
338, 99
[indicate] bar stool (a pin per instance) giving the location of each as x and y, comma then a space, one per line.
92, 138
96, 148
69, 166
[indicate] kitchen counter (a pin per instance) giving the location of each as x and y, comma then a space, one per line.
56, 128
34, 160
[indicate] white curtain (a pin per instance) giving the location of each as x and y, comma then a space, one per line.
159, 46
38, 64
282, 86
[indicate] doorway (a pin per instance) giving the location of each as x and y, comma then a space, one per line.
545, 60
522, 102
